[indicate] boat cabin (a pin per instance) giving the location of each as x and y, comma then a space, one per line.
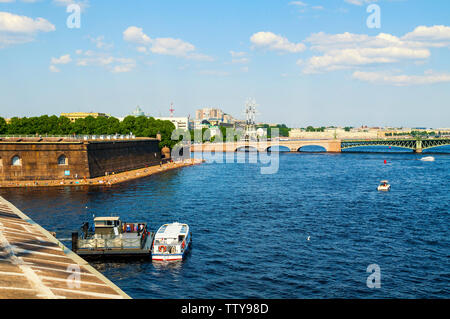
172, 234
106, 225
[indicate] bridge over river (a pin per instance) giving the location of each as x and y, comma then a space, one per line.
332, 146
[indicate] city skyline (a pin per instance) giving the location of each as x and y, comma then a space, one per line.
305, 62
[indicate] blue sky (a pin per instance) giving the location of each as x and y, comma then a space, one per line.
305, 62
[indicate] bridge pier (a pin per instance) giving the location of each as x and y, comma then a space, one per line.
418, 148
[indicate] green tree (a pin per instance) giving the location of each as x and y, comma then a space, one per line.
3, 126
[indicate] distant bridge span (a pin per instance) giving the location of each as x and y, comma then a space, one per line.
293, 146
331, 146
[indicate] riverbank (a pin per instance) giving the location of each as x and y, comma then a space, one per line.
107, 180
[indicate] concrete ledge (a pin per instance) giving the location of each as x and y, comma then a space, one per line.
34, 264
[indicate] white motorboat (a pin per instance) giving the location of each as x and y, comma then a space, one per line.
384, 186
172, 242
427, 159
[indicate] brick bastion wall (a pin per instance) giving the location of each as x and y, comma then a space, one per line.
51, 159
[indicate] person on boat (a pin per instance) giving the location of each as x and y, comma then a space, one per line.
85, 229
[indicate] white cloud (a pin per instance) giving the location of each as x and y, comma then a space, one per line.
123, 68
170, 46
107, 61
360, 2
237, 54
100, 43
348, 50
272, 41
136, 35
401, 80
64, 59
53, 68
239, 57
163, 46
343, 59
297, 3
21, 24
17, 29
240, 60
200, 57
142, 49
434, 33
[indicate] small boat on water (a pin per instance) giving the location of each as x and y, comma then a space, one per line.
172, 242
427, 159
384, 186
111, 237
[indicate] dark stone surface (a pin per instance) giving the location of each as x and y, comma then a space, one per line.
85, 159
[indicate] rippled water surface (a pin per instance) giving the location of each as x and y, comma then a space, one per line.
250, 231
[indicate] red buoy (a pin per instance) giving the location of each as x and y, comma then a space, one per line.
385, 162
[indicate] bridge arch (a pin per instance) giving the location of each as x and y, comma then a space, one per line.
312, 148
278, 148
247, 149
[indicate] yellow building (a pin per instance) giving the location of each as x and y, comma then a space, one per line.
81, 115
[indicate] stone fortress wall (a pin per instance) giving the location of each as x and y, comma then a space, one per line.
50, 159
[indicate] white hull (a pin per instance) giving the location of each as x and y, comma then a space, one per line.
171, 242
168, 257
384, 188
427, 159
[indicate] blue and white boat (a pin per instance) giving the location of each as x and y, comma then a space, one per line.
172, 242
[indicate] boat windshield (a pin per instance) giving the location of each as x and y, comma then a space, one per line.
162, 229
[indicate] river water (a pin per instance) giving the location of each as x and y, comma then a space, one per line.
251, 231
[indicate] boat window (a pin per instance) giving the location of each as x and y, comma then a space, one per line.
183, 229
162, 229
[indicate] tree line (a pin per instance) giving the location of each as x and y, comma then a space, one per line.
141, 126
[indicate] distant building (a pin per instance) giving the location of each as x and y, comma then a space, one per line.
137, 112
183, 123
81, 115
209, 113
228, 119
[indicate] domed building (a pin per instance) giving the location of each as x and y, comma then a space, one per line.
137, 112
